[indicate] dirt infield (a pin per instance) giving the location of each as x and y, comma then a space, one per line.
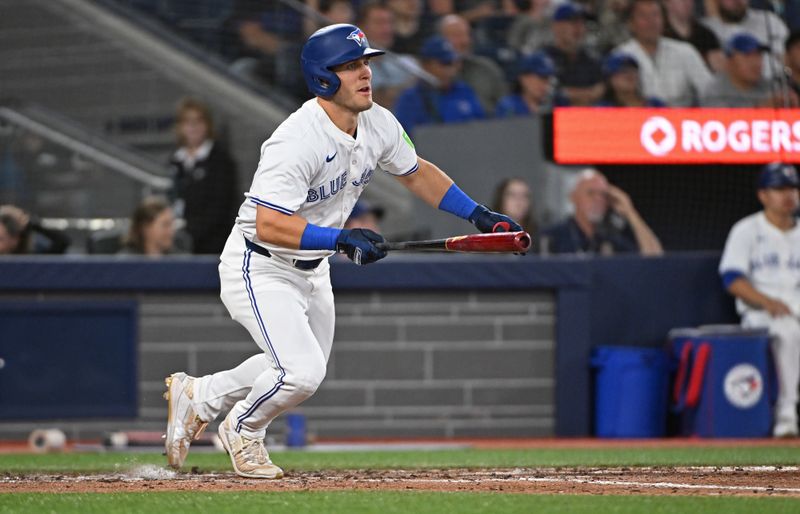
689, 481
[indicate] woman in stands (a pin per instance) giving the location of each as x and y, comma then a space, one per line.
623, 85
152, 229
512, 197
205, 189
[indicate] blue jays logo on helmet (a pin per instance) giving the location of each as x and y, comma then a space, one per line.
358, 36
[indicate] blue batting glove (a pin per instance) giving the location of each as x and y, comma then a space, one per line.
490, 221
359, 245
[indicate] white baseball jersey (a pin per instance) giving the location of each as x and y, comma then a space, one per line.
312, 168
768, 257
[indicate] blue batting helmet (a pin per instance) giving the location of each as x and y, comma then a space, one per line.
328, 47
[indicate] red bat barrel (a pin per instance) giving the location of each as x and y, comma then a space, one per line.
517, 242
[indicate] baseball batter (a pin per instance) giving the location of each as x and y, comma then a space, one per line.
274, 269
761, 267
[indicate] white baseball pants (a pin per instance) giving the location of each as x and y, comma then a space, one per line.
785, 332
290, 315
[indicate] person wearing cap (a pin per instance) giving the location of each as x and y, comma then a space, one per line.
792, 60
742, 84
578, 72
482, 74
449, 101
623, 85
670, 70
535, 91
736, 16
760, 266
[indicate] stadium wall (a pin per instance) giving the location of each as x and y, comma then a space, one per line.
443, 347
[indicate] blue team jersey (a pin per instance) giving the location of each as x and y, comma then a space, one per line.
423, 104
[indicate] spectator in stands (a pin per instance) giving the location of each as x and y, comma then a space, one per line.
604, 222
366, 216
623, 84
792, 59
530, 29
535, 91
19, 234
671, 70
611, 29
578, 72
471, 10
682, 25
742, 84
337, 11
759, 267
512, 197
451, 101
410, 28
152, 229
483, 75
392, 73
205, 190
734, 16
264, 38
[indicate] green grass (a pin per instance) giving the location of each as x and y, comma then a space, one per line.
470, 458
383, 503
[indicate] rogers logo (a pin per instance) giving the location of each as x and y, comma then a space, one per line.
658, 136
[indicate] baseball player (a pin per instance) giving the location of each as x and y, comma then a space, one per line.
761, 267
274, 270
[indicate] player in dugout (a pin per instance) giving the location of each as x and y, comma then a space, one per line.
760, 266
274, 270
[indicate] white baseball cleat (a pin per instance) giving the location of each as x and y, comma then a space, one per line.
785, 428
183, 424
248, 456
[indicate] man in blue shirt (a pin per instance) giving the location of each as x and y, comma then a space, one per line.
536, 91
605, 222
451, 101
578, 72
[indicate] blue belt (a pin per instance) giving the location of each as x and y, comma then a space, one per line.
297, 263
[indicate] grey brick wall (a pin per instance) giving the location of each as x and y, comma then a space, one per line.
427, 364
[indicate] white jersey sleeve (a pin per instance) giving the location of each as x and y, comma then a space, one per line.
736, 255
399, 156
284, 173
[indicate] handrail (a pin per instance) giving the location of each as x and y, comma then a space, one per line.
174, 58
97, 150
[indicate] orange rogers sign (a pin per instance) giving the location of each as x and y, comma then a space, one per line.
675, 136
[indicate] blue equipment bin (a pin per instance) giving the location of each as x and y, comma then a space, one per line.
724, 383
631, 391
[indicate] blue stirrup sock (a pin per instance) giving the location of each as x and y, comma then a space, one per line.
456, 201
319, 238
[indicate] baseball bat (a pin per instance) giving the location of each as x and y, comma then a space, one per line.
495, 242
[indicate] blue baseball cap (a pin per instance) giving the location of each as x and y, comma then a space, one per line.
538, 63
569, 11
618, 61
776, 175
439, 49
743, 43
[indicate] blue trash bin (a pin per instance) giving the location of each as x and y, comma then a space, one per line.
631, 391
